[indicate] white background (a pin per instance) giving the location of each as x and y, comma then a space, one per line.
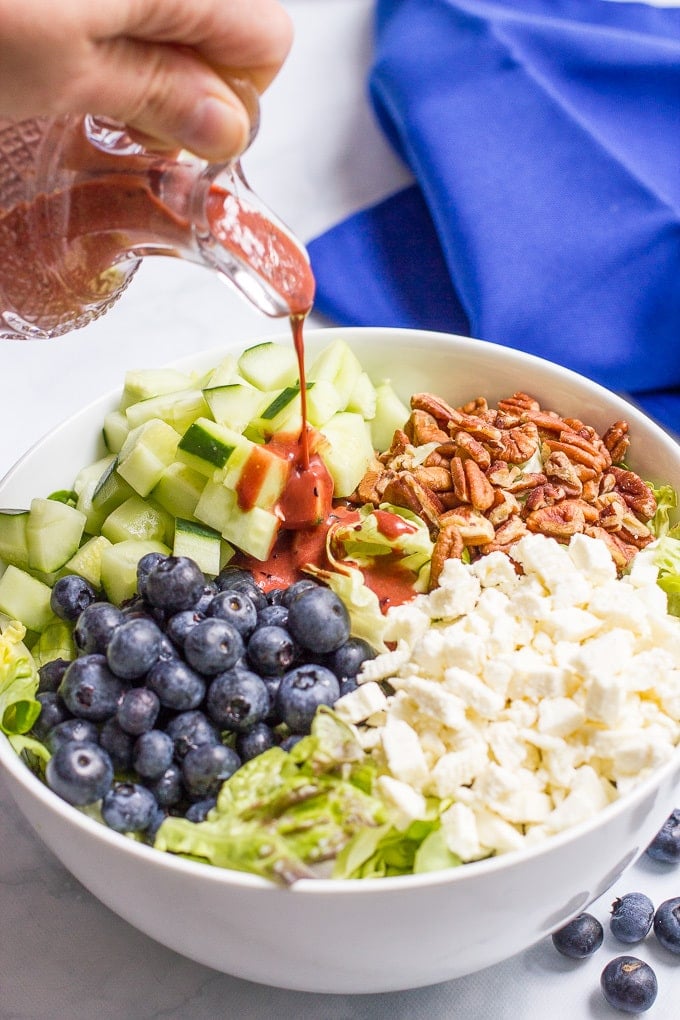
317, 158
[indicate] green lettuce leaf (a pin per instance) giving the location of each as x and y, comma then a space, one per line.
666, 501
19, 707
387, 851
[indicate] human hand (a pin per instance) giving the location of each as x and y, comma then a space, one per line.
162, 67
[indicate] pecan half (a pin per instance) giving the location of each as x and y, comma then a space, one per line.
449, 545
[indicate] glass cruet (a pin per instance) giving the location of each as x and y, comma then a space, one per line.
81, 202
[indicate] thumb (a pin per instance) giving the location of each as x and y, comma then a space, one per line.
170, 97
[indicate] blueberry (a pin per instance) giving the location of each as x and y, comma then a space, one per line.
138, 710
629, 984
117, 743
230, 574
80, 773
631, 917
348, 685
191, 729
89, 689
205, 768
665, 846
295, 589
198, 811
144, 568
580, 938
274, 614
152, 754
77, 731
289, 742
347, 660
174, 583
95, 625
257, 740
50, 674
236, 700
128, 807
157, 819
212, 646
70, 596
301, 692
274, 596
167, 788
236, 608
667, 924
205, 598
138, 608
134, 648
272, 650
176, 685
179, 625
52, 712
248, 586
318, 620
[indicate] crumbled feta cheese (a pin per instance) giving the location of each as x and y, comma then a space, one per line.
407, 803
365, 701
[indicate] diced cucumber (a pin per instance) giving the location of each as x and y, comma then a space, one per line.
215, 505
24, 598
115, 430
281, 414
349, 451
257, 475
99, 498
179, 489
254, 531
13, 538
119, 566
201, 544
226, 371
87, 561
363, 397
206, 446
178, 409
53, 533
139, 519
146, 453
390, 414
323, 401
151, 382
235, 404
338, 364
55, 642
92, 472
269, 366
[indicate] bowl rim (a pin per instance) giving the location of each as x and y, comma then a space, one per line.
10, 760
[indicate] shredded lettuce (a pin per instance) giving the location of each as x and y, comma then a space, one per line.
19, 707
666, 502
386, 850
665, 555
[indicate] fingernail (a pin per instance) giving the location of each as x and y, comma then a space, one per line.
216, 130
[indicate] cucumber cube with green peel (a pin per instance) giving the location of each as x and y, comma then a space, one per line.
349, 451
254, 531
179, 489
119, 566
146, 453
202, 544
391, 413
338, 364
13, 537
115, 430
282, 413
257, 475
206, 446
92, 472
235, 404
137, 518
178, 409
98, 498
53, 533
24, 598
269, 366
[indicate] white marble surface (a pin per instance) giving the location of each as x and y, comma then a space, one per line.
62, 954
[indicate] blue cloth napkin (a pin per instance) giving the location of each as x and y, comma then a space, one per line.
544, 139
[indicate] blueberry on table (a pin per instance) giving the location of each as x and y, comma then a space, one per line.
152, 754
191, 729
318, 620
665, 846
174, 583
78, 731
89, 689
134, 648
205, 768
70, 596
79, 773
138, 710
176, 684
52, 712
237, 608
300, 693
580, 938
50, 674
667, 924
212, 646
271, 650
95, 626
128, 807
631, 917
236, 700
629, 984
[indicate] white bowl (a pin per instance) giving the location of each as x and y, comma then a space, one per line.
378, 934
